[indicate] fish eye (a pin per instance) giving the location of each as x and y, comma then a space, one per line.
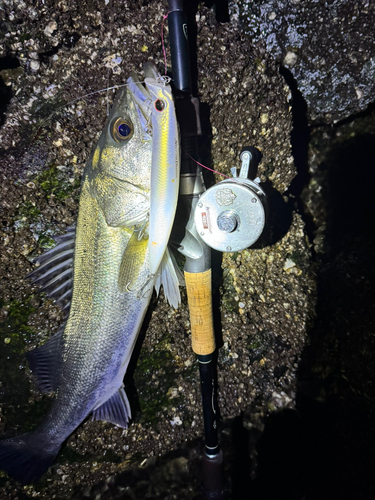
159, 105
122, 130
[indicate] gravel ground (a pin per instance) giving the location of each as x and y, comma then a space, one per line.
265, 296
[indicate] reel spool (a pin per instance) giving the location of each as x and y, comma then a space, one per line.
231, 215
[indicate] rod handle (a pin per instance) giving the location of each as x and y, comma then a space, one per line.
199, 292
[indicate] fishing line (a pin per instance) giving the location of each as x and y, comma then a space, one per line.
204, 166
57, 110
108, 80
165, 64
162, 41
126, 85
98, 91
164, 80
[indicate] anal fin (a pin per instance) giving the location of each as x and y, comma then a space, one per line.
115, 410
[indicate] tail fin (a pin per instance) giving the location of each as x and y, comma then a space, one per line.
23, 462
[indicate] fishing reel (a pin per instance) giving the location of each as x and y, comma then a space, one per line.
230, 216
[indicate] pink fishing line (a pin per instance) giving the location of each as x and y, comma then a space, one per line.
207, 168
165, 63
162, 41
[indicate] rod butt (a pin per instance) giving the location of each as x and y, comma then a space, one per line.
213, 483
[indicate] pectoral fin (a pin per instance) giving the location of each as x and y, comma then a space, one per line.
115, 410
132, 261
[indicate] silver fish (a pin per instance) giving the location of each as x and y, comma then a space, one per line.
86, 361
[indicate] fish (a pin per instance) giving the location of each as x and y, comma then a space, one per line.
100, 273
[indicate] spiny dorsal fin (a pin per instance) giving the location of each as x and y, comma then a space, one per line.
55, 270
115, 410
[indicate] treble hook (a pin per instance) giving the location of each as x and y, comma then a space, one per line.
164, 79
141, 293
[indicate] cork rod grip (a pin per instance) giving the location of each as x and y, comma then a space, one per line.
198, 286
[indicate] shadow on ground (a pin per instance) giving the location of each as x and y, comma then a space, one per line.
325, 449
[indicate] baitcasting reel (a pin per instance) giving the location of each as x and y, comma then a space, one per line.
230, 216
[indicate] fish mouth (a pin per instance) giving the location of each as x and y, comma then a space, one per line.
141, 96
142, 101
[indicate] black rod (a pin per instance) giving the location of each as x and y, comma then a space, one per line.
206, 370
178, 35
187, 110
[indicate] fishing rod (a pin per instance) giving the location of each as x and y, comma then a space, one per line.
230, 216
197, 268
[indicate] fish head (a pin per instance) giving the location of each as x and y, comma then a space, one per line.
119, 169
124, 147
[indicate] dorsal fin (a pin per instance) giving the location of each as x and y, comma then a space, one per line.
55, 270
45, 362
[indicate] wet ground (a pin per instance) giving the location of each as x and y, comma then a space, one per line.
294, 314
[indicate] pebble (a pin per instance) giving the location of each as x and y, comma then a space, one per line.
290, 59
50, 28
34, 65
